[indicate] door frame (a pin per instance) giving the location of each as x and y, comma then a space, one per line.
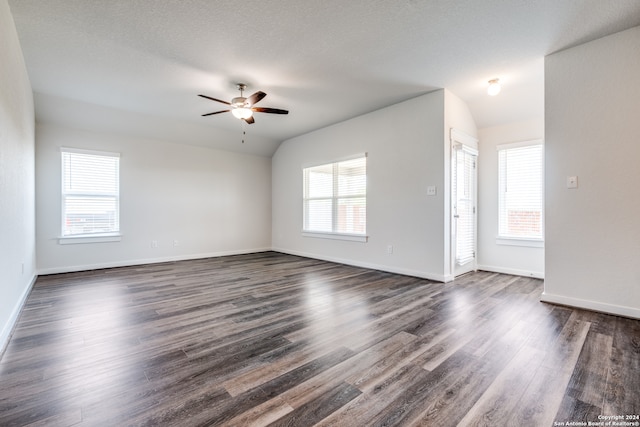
468, 143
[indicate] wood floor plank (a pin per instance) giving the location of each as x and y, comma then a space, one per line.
434, 401
261, 415
275, 339
320, 407
410, 353
543, 396
362, 410
318, 384
577, 411
69, 418
589, 377
306, 372
622, 389
502, 396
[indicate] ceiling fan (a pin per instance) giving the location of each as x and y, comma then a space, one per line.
243, 108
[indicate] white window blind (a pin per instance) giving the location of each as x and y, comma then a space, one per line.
335, 197
90, 192
520, 192
464, 164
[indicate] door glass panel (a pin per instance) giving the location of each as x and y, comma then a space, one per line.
464, 206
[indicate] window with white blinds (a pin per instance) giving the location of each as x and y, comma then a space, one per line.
335, 197
90, 193
520, 193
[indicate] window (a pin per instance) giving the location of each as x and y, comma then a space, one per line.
520, 192
335, 199
90, 193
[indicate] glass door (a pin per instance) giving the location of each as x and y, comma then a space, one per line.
464, 221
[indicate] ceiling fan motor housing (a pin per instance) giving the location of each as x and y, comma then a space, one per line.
239, 102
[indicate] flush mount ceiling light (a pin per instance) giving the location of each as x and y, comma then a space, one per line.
494, 87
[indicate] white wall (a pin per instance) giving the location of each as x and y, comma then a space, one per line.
17, 223
592, 94
406, 146
524, 261
75, 114
212, 202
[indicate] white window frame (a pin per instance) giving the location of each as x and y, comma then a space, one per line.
520, 240
354, 237
96, 237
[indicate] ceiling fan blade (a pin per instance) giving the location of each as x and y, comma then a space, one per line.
269, 110
249, 120
216, 112
256, 97
214, 99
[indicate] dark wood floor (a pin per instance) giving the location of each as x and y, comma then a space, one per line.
273, 339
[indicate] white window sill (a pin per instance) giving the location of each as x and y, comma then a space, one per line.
515, 241
98, 238
336, 236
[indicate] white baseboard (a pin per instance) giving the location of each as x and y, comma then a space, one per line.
7, 330
617, 310
512, 271
127, 263
388, 269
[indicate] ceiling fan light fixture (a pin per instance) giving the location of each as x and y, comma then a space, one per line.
242, 112
494, 87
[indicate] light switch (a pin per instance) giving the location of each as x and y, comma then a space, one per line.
431, 190
572, 182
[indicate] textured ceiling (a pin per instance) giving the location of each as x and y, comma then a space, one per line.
325, 61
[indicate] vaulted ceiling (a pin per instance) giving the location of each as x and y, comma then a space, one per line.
325, 61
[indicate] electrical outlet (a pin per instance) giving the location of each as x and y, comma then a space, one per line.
154, 243
175, 243
431, 190
572, 182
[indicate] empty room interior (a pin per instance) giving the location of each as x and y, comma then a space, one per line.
411, 213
